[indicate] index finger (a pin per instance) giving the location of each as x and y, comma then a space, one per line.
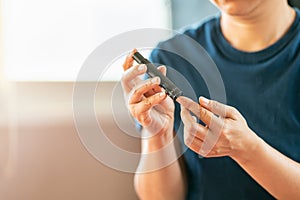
190, 105
203, 114
129, 60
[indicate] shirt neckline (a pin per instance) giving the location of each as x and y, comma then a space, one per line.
259, 56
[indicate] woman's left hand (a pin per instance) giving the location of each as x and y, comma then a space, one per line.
225, 132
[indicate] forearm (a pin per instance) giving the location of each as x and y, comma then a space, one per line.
159, 174
278, 174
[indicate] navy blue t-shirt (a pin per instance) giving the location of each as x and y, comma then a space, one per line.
264, 86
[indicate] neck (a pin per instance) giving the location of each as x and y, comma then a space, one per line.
258, 29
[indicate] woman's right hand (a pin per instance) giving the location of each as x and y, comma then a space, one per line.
146, 100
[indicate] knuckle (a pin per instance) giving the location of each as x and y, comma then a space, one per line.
191, 129
214, 104
232, 110
187, 139
145, 119
140, 118
148, 102
225, 131
137, 91
133, 111
217, 151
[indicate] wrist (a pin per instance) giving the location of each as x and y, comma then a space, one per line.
247, 150
154, 142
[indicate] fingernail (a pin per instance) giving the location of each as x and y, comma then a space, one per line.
155, 80
204, 100
195, 118
141, 67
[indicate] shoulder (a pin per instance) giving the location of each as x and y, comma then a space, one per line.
195, 31
187, 37
198, 29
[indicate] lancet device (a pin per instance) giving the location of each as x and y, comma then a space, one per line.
170, 88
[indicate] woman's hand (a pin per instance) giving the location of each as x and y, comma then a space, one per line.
146, 100
225, 132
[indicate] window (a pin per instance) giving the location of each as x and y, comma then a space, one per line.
48, 40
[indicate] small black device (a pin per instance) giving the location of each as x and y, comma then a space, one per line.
170, 88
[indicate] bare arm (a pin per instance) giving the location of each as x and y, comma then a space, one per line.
159, 175
165, 179
278, 174
227, 134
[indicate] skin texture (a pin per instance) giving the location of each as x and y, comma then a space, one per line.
253, 25
227, 134
222, 134
238, 7
154, 110
248, 25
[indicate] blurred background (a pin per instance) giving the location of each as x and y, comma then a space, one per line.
43, 45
